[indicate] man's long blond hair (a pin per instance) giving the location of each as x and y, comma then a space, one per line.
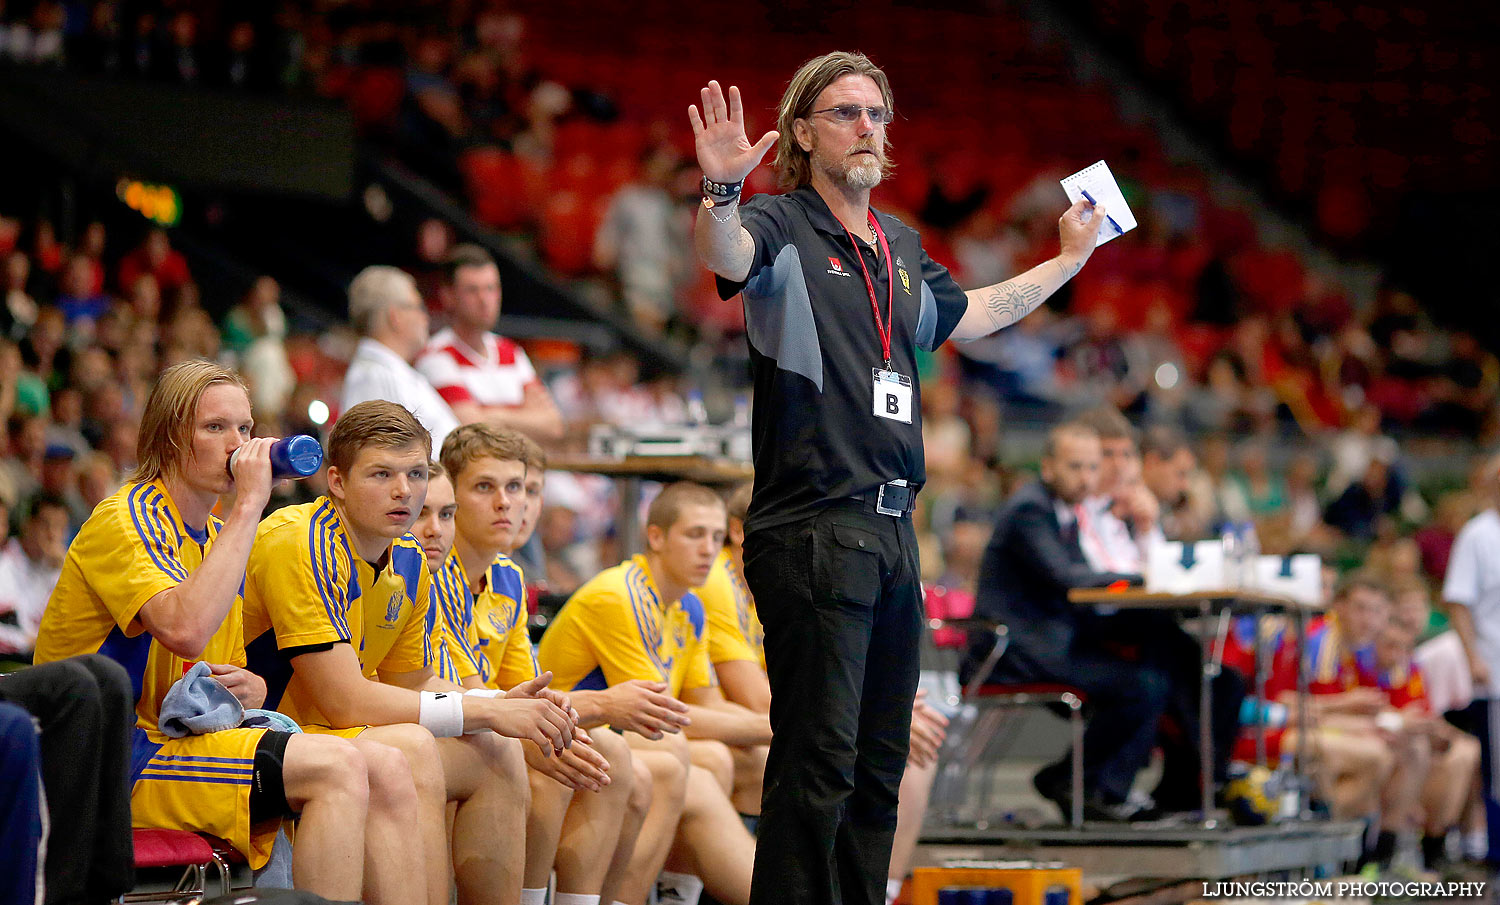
166, 436
794, 165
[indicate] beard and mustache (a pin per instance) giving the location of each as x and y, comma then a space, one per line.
854, 169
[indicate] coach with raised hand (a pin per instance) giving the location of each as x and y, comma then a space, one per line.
838, 298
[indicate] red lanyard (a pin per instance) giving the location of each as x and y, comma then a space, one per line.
883, 329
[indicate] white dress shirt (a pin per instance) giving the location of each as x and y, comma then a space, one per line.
377, 372
25, 586
1473, 580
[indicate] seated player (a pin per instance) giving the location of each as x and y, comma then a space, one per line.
483, 598
1345, 699
640, 621
153, 581
346, 590
1455, 755
736, 647
1349, 769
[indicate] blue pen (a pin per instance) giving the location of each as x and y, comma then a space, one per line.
1090, 199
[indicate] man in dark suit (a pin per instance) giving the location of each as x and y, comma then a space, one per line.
1033, 559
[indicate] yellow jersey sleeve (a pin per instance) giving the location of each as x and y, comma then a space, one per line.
699, 671
411, 650
730, 634
500, 619
298, 580
594, 642
451, 593
129, 553
438, 643
133, 547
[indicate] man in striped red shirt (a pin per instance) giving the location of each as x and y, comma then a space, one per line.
483, 376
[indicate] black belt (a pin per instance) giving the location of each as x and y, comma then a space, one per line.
891, 498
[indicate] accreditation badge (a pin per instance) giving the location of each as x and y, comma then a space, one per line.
892, 395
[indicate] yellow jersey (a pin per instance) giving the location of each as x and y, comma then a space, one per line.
134, 546
451, 593
734, 630
440, 642
305, 585
487, 623
617, 628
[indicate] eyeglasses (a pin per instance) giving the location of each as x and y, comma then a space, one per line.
849, 113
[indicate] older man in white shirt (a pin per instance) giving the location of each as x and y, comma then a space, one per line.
388, 312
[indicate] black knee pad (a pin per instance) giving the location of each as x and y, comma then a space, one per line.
268, 786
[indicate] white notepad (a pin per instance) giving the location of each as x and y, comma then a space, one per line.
1100, 184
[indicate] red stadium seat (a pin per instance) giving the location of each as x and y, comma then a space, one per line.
158, 848
499, 187
375, 94
569, 222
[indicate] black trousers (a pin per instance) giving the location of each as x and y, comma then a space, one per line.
1157, 641
1125, 705
840, 599
86, 709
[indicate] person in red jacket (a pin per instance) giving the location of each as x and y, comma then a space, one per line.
157, 257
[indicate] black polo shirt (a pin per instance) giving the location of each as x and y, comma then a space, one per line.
813, 342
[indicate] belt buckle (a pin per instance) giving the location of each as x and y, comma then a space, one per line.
880, 505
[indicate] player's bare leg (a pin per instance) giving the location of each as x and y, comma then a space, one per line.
592, 825
715, 757
667, 761
486, 774
749, 777
326, 781
641, 792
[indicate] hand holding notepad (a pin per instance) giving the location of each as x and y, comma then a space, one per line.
1096, 185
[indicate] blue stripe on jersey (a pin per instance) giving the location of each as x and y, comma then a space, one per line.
428, 620
157, 509
325, 568
452, 592
168, 777
246, 762
594, 681
142, 749
505, 579
130, 653
195, 768
148, 536
409, 562
694, 609
646, 624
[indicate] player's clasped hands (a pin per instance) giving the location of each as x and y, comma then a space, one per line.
724, 150
646, 708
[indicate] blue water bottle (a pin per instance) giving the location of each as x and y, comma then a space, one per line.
294, 457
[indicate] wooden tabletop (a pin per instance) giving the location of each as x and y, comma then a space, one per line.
713, 472
1140, 598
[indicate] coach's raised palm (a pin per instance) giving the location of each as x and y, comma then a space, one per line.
724, 150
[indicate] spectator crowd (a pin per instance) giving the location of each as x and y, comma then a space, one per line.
1189, 378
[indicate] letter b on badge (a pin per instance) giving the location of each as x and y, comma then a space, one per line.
892, 397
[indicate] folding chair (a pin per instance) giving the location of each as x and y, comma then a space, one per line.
158, 848
988, 701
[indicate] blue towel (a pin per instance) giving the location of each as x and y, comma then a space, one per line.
269, 719
198, 703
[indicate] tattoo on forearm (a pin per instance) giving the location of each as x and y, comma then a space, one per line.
1010, 301
1067, 269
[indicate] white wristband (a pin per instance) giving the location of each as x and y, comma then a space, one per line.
442, 713
481, 693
